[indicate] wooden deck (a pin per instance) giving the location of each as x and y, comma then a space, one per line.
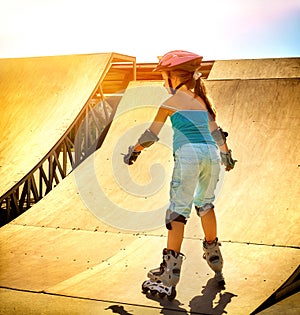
83, 245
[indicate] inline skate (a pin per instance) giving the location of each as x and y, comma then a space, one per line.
163, 280
213, 256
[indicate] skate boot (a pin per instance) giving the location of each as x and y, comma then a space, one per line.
213, 256
163, 280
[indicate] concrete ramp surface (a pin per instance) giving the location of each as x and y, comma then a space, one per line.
86, 247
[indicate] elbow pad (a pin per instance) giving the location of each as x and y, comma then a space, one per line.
147, 138
219, 136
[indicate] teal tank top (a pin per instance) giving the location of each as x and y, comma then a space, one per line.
190, 126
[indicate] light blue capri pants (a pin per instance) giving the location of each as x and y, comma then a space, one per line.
194, 180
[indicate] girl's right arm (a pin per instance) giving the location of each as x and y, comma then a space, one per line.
220, 137
155, 127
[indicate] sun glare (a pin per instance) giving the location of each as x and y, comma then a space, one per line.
213, 28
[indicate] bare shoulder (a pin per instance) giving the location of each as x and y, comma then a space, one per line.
170, 101
184, 100
174, 101
168, 106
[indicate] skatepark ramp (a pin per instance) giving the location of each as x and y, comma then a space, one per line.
86, 247
47, 105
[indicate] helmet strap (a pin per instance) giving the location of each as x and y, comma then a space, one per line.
180, 85
173, 91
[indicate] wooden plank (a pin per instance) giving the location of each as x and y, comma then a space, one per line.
55, 256
255, 69
262, 119
247, 283
84, 264
20, 302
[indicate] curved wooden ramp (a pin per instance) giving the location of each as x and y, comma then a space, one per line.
81, 244
43, 100
41, 112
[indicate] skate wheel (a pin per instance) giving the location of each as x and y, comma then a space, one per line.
220, 279
172, 295
145, 289
162, 295
153, 292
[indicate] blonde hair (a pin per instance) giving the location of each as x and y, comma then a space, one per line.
200, 90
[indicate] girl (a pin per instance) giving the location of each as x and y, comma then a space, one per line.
196, 168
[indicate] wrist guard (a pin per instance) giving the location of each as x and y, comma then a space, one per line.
147, 138
219, 136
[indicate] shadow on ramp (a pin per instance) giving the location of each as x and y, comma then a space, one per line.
118, 309
207, 302
168, 307
211, 301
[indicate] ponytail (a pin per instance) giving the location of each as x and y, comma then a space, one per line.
187, 78
200, 90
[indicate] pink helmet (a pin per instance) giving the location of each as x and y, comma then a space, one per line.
179, 59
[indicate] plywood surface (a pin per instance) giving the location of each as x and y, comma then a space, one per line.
111, 267
260, 195
40, 98
256, 208
255, 69
258, 201
20, 302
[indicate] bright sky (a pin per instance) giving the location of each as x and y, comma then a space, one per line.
216, 29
